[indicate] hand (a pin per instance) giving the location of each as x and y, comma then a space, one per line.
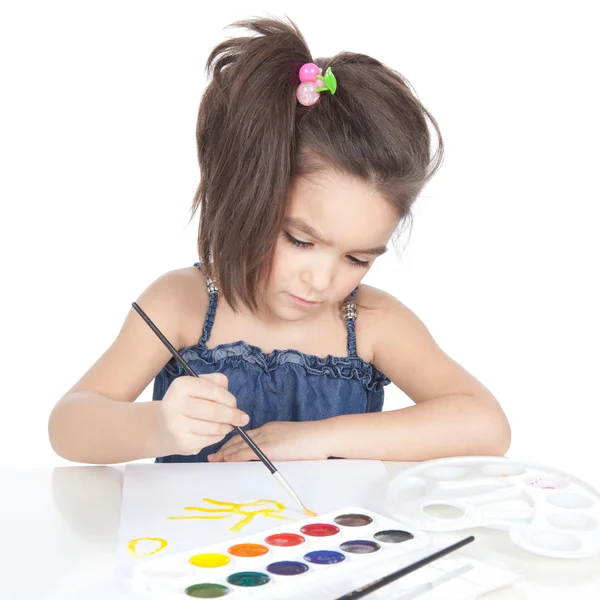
279, 440
197, 412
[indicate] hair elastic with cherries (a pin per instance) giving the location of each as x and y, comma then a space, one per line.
313, 83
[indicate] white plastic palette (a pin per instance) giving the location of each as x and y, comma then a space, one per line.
319, 558
544, 510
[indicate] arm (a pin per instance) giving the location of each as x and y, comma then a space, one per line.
453, 415
97, 421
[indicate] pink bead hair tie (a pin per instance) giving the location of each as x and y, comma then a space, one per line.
313, 83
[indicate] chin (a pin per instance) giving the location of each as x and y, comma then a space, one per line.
291, 314
287, 313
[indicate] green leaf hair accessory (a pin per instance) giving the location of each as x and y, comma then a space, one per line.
329, 82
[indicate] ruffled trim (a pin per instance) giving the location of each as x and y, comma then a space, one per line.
237, 353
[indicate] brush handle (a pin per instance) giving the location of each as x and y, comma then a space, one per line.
379, 583
191, 372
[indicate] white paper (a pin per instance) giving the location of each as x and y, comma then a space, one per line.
154, 492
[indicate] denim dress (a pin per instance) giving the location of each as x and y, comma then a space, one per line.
282, 385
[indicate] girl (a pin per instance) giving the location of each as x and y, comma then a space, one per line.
307, 170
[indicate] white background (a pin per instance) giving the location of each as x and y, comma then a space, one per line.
98, 161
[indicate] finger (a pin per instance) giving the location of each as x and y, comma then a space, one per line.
207, 387
221, 452
236, 448
236, 443
207, 428
232, 441
231, 445
238, 440
204, 410
241, 455
218, 378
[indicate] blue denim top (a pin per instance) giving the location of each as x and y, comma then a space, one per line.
282, 385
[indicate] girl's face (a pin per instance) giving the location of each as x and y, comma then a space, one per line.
335, 228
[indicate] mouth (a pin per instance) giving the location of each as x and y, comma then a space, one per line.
302, 301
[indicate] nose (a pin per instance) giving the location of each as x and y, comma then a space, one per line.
319, 275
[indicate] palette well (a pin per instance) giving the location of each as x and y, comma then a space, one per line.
298, 557
545, 511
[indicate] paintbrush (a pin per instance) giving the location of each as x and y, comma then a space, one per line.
284, 484
379, 583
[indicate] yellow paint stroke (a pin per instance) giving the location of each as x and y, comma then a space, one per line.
133, 543
269, 509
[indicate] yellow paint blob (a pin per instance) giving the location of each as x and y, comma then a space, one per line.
133, 545
265, 508
210, 560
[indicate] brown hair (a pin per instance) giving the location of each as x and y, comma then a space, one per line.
254, 138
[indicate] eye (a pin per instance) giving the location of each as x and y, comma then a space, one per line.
292, 240
358, 263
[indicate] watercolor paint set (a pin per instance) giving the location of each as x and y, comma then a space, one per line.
545, 511
319, 557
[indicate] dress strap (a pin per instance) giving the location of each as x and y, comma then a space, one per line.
211, 311
349, 310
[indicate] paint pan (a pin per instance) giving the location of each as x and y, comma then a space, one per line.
302, 557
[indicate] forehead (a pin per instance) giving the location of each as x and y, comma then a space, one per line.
344, 209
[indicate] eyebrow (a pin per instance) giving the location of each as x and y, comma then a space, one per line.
312, 232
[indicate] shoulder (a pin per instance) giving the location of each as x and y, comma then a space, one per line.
175, 302
180, 298
376, 306
404, 349
382, 317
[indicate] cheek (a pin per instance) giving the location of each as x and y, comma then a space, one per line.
348, 281
283, 262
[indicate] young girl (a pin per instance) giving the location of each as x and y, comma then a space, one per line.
307, 169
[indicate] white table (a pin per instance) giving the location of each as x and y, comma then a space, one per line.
59, 534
